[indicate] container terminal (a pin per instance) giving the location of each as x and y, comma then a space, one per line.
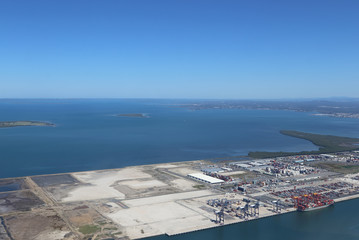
172, 198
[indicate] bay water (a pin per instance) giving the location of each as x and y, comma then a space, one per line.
89, 136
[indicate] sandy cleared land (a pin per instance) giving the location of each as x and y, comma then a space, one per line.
182, 171
192, 223
170, 227
183, 184
173, 214
162, 214
160, 218
136, 184
92, 193
166, 198
101, 190
155, 213
53, 235
101, 184
166, 165
118, 175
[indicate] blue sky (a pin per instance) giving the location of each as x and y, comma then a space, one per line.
179, 48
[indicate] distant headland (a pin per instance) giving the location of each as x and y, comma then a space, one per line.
326, 144
7, 124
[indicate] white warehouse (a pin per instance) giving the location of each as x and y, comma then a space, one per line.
204, 178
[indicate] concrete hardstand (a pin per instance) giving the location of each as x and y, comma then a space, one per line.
132, 202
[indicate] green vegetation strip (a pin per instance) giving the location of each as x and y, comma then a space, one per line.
326, 143
338, 167
89, 229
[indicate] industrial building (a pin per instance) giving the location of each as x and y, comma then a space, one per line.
204, 178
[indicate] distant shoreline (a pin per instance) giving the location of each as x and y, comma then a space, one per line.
338, 115
326, 143
9, 124
337, 109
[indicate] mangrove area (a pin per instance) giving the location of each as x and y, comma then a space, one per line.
326, 144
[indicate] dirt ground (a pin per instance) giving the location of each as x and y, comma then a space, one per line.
82, 216
39, 226
18, 201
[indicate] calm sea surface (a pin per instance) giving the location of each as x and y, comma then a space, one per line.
88, 136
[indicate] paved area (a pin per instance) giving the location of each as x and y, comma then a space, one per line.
143, 201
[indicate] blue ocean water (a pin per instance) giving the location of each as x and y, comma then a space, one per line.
88, 136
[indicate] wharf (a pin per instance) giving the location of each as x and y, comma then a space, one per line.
131, 203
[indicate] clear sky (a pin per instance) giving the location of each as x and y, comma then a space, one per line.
179, 48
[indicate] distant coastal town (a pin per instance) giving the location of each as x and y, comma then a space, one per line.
338, 109
338, 115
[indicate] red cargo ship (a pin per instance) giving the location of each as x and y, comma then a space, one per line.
312, 201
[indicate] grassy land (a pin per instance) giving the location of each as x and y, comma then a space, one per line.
89, 229
326, 143
23, 123
337, 167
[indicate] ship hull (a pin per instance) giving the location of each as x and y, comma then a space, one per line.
315, 208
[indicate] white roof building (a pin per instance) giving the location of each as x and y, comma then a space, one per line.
204, 178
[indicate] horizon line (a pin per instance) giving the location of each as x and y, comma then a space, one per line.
178, 98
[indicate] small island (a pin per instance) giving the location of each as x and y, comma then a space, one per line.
7, 124
133, 115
